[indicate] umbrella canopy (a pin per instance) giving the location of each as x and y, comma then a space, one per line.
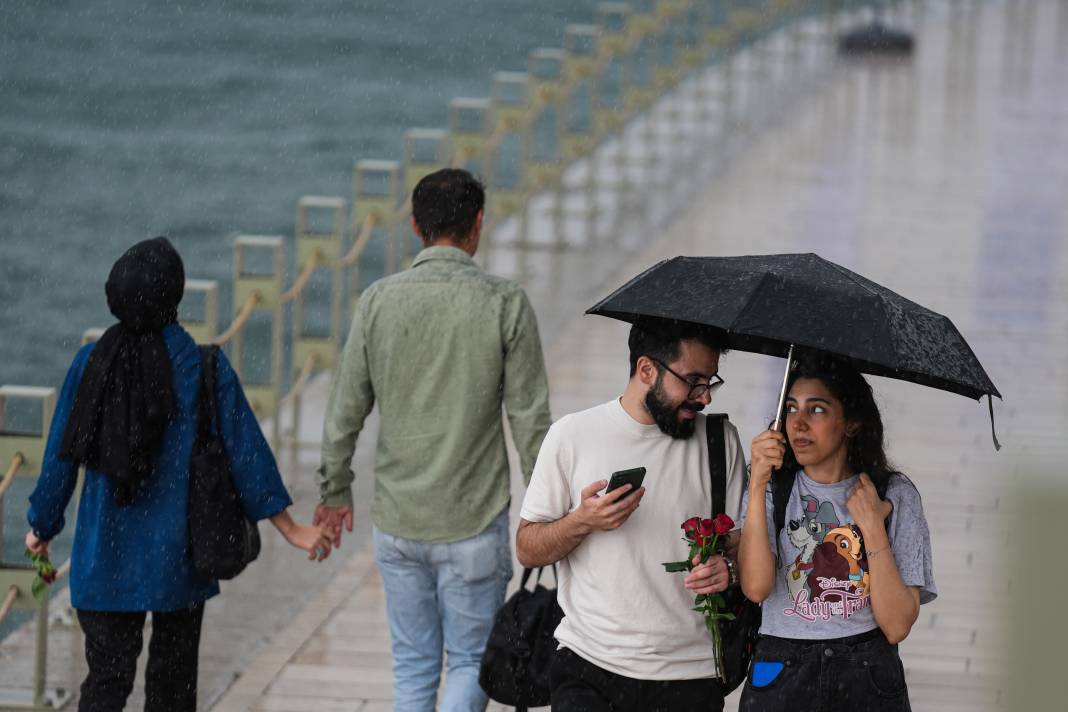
769, 303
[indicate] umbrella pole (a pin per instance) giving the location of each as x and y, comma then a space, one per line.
782, 393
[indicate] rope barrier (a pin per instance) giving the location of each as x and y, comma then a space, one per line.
494, 141
239, 320
302, 279
302, 380
362, 238
9, 477
459, 159
9, 602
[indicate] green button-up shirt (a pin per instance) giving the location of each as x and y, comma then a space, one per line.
440, 347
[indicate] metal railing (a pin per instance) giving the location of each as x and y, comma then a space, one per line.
578, 103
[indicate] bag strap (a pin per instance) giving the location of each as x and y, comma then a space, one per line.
715, 426
207, 419
537, 580
782, 484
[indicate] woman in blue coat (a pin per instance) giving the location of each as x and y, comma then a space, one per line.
128, 413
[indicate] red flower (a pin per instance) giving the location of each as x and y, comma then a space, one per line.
706, 528
722, 524
691, 526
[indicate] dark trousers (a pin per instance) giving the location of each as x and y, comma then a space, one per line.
113, 643
862, 672
579, 685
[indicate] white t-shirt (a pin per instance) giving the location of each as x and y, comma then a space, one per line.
622, 611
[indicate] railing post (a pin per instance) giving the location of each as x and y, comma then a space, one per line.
263, 291
325, 247
545, 84
511, 117
471, 132
205, 328
26, 452
376, 195
425, 151
316, 249
25, 447
582, 66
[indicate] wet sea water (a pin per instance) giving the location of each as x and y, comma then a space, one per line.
121, 120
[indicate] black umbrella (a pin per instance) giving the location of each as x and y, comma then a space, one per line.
771, 303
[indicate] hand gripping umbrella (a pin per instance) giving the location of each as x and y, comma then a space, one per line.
770, 304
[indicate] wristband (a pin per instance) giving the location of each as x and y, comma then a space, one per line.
873, 554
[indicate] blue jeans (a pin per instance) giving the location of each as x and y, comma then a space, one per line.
442, 595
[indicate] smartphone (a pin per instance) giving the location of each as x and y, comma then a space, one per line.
633, 477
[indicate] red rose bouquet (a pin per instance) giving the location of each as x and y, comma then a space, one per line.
707, 537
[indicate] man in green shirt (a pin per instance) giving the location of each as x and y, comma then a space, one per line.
440, 347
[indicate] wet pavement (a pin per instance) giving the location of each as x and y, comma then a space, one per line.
942, 178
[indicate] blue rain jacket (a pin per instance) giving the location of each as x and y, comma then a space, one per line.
136, 557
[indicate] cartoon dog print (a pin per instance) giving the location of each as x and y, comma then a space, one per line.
806, 534
850, 546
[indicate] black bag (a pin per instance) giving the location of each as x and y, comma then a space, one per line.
520, 649
222, 539
739, 635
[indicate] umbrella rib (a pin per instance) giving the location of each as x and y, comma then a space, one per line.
765, 277
852, 278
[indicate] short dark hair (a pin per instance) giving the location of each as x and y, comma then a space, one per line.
660, 340
446, 203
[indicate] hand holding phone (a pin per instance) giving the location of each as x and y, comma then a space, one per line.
633, 477
598, 511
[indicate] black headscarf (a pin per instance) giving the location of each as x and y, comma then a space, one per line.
125, 399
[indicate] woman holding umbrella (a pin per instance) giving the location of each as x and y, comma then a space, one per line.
836, 546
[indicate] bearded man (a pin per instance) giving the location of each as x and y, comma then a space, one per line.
629, 639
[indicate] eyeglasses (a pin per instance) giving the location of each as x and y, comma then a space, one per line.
696, 389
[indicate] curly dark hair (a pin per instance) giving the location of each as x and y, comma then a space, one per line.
866, 448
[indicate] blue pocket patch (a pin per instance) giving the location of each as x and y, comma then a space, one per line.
764, 673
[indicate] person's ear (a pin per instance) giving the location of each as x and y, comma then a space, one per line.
852, 428
647, 371
476, 229
416, 230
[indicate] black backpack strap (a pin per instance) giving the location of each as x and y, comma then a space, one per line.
715, 424
207, 419
782, 484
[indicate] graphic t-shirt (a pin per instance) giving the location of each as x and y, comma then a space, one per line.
821, 579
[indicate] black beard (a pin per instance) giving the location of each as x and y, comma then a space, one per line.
666, 415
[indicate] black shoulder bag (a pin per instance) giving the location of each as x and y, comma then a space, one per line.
740, 634
221, 538
520, 649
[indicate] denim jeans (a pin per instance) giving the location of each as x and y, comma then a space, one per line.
442, 595
862, 672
